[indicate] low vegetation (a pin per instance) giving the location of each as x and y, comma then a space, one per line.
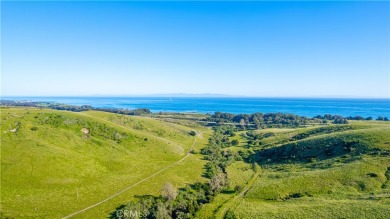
65, 161
246, 166
332, 172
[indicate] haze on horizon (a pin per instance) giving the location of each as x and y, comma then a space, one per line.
267, 49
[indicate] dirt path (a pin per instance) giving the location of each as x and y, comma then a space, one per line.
137, 183
227, 205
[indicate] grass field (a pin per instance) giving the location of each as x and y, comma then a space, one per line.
50, 168
55, 163
343, 184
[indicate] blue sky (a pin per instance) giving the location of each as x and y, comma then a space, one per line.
304, 49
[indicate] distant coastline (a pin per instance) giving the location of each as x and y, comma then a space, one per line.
189, 95
300, 106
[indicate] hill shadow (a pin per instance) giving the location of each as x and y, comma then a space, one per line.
310, 151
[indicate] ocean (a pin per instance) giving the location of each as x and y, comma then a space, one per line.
301, 106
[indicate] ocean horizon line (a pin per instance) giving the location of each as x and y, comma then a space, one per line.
192, 96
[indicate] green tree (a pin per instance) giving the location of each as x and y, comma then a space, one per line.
162, 211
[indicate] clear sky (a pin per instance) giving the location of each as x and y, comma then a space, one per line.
253, 48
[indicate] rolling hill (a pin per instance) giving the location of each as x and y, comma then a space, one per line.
60, 164
317, 172
56, 162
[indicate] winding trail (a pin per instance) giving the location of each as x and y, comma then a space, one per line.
139, 182
227, 205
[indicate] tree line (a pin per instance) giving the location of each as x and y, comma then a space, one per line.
73, 108
272, 120
275, 120
185, 202
379, 118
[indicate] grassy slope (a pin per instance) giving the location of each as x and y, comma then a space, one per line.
56, 170
165, 130
188, 171
336, 185
300, 177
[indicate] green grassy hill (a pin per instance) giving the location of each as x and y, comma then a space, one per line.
342, 173
56, 162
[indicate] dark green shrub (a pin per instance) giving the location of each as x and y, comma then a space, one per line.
235, 142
